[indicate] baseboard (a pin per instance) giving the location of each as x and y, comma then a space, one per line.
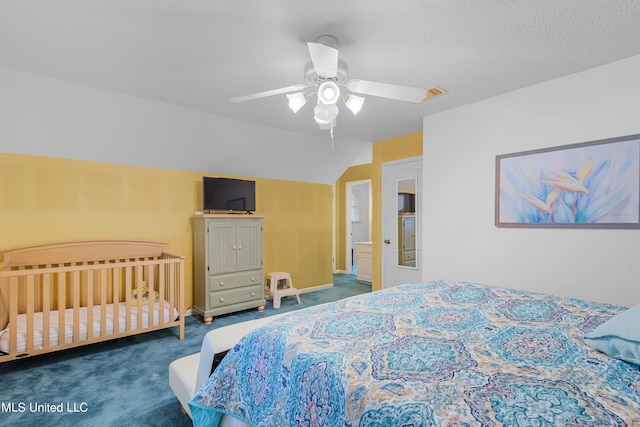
303, 290
316, 288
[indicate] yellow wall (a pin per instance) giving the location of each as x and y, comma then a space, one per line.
47, 200
401, 147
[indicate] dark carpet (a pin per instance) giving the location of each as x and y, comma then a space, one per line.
124, 382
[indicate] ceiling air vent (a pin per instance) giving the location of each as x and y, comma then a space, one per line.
434, 91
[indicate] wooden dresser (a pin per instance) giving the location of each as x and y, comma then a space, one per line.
365, 262
228, 264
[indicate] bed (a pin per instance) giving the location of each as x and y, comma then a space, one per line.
435, 353
65, 295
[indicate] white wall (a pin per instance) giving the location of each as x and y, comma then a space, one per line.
460, 145
48, 117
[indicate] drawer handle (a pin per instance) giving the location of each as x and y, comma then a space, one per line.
221, 283
221, 299
253, 279
253, 294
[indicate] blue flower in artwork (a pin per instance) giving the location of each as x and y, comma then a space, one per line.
584, 188
317, 395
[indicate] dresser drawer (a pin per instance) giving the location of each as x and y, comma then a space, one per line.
235, 280
234, 296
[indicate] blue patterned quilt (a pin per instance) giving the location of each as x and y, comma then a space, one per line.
429, 354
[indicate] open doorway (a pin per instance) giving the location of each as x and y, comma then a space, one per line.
358, 220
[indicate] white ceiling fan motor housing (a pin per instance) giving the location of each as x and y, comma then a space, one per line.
313, 78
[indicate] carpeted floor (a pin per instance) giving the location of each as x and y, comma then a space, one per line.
123, 382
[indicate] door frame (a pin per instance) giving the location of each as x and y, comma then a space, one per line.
348, 229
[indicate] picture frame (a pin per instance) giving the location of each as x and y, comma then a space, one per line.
593, 184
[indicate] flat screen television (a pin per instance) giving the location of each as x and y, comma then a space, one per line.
406, 203
228, 194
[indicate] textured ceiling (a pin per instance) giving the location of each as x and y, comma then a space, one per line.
198, 54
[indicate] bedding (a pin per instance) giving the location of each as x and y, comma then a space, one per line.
434, 353
83, 325
619, 336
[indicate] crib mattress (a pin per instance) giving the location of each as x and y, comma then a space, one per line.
68, 330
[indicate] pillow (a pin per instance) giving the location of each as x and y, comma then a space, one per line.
619, 336
4, 313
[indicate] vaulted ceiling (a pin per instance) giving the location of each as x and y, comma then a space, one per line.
197, 54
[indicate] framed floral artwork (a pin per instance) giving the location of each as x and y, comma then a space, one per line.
593, 184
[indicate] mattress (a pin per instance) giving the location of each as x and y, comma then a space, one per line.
168, 316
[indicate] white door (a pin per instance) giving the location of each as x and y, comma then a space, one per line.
401, 196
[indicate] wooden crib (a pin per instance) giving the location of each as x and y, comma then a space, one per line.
65, 295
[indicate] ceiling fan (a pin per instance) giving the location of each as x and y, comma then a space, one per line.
325, 74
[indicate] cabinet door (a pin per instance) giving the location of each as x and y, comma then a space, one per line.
222, 247
250, 245
409, 233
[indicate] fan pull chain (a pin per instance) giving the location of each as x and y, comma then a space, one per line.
331, 133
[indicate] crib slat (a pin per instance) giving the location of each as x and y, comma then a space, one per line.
162, 286
13, 314
139, 299
152, 298
46, 310
116, 299
128, 289
172, 296
103, 302
62, 297
30, 309
179, 283
89, 275
75, 289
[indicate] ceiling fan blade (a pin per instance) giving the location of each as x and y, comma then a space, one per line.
324, 58
266, 93
384, 90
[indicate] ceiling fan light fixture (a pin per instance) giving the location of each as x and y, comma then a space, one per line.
328, 93
324, 114
297, 100
353, 103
